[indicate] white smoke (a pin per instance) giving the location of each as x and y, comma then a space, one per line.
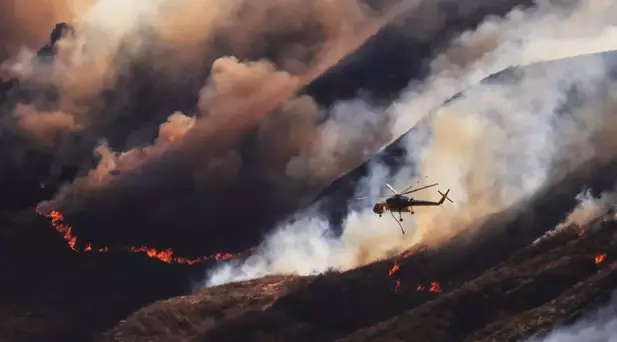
599, 326
589, 209
492, 146
307, 246
551, 30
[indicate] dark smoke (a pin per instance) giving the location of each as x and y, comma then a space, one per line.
243, 178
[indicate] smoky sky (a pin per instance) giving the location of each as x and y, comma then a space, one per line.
137, 128
28, 23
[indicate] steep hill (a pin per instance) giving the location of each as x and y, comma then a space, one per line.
492, 282
487, 284
425, 299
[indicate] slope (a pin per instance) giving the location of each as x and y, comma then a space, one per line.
476, 267
553, 279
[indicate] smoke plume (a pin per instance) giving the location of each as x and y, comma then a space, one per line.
494, 146
589, 209
113, 37
27, 23
229, 72
599, 325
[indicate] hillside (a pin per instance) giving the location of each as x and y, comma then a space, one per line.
489, 282
536, 288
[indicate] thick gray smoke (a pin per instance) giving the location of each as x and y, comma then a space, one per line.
598, 326
493, 146
244, 88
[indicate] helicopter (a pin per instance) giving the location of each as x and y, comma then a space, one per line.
401, 203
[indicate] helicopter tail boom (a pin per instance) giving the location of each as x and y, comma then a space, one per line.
444, 197
431, 203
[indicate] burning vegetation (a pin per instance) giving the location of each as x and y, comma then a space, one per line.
165, 255
600, 258
433, 287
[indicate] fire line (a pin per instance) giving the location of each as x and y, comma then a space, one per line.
434, 286
165, 255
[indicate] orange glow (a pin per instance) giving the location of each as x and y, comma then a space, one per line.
64, 229
397, 284
435, 287
407, 254
600, 258
394, 268
166, 255
225, 256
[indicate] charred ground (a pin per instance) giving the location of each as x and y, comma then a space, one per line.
508, 298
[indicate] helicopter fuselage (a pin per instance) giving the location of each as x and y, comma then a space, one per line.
395, 203
401, 203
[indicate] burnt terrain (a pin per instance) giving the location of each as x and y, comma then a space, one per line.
528, 293
492, 286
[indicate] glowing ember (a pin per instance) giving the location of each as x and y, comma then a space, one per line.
600, 258
435, 287
64, 229
407, 254
397, 284
226, 256
420, 288
394, 268
166, 255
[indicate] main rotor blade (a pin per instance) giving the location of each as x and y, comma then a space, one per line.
391, 188
409, 187
418, 189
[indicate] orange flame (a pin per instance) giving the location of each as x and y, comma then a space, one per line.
600, 258
435, 287
166, 255
394, 268
65, 229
